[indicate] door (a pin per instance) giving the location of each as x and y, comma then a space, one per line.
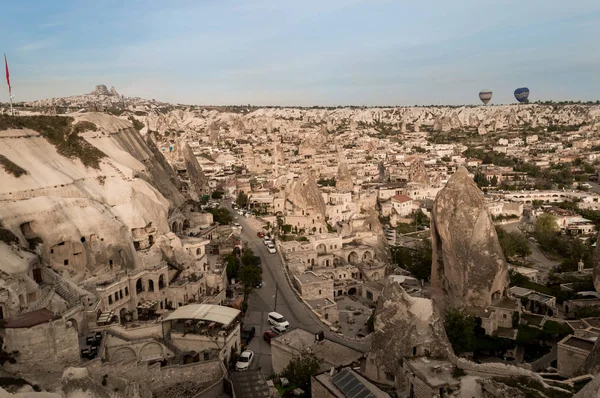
37, 275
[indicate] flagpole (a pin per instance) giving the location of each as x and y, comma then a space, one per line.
10, 97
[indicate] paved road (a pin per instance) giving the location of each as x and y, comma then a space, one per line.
262, 301
541, 262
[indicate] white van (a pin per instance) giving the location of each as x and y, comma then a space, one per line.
276, 319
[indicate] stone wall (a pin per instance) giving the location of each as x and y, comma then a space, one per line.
47, 345
317, 290
570, 359
419, 387
156, 377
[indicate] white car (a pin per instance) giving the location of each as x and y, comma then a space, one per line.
276, 319
267, 241
237, 225
245, 360
271, 248
278, 330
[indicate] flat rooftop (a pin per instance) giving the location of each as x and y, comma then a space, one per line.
593, 322
320, 303
578, 342
29, 319
434, 372
333, 353
506, 303
309, 277
542, 298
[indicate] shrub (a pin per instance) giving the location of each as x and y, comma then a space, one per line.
11, 167
60, 132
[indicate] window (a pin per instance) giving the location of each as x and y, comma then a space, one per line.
504, 316
116, 296
121, 294
66, 262
126, 291
319, 291
109, 299
414, 351
390, 377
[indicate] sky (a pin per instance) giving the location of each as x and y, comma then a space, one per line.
304, 53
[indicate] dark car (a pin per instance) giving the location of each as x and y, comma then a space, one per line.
268, 335
258, 285
248, 333
94, 339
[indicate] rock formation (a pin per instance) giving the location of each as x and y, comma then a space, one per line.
417, 173
405, 326
344, 181
198, 181
100, 90
468, 266
305, 194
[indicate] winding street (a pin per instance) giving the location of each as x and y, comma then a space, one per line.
277, 295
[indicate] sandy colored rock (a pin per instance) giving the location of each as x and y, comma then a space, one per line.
402, 323
468, 265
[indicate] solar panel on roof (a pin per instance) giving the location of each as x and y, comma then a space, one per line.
350, 385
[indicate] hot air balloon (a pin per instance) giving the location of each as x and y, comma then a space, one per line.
485, 96
522, 94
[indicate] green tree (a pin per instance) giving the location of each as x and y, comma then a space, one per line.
242, 199
421, 218
415, 260
221, 215
250, 276
218, 194
460, 328
480, 180
301, 368
494, 181
546, 230
513, 243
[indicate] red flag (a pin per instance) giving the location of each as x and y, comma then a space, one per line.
7, 74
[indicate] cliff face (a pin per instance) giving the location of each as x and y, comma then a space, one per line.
468, 265
83, 215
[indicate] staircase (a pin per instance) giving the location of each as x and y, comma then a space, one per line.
61, 287
176, 266
44, 300
178, 360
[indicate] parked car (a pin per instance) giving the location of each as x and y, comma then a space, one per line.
93, 339
260, 234
244, 361
268, 335
248, 333
276, 319
271, 248
237, 225
279, 330
258, 285
267, 240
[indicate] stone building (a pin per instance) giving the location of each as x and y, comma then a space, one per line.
342, 383
314, 287
284, 347
429, 378
572, 353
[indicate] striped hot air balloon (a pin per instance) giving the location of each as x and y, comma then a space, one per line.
522, 94
485, 96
